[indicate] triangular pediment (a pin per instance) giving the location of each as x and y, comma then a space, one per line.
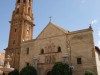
51, 30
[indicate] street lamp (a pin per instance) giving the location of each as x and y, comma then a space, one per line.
69, 50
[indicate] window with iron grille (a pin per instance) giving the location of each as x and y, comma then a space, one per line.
27, 51
79, 60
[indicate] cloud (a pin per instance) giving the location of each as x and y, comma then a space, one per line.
94, 21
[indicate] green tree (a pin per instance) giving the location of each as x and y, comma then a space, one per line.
60, 68
28, 70
15, 72
88, 72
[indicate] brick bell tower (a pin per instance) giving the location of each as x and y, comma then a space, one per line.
21, 30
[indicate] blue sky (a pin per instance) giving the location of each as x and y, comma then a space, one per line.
69, 14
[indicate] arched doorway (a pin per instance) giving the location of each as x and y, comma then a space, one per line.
49, 73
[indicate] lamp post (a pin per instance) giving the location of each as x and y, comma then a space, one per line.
70, 63
69, 50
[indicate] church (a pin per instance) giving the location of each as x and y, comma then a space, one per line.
53, 44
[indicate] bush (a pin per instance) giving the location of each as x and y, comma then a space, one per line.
15, 72
60, 68
28, 70
88, 72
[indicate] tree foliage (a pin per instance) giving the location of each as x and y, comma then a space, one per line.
15, 72
60, 68
88, 72
28, 70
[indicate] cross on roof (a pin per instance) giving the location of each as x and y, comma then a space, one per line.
50, 18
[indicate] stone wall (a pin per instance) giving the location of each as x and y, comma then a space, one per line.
2, 58
97, 57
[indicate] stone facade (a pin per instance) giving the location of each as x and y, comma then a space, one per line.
54, 44
77, 44
97, 58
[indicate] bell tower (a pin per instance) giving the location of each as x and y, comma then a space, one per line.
21, 29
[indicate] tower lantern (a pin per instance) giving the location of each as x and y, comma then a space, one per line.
24, 7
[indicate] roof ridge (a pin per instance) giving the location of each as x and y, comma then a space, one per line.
59, 27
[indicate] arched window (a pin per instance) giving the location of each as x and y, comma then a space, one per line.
42, 51
27, 64
27, 31
27, 51
59, 49
14, 42
15, 30
29, 10
17, 10
79, 60
29, 2
18, 1
24, 1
